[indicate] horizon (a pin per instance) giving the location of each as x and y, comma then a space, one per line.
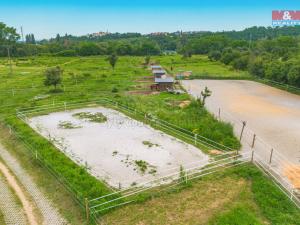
47, 18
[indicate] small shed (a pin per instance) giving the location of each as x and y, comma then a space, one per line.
156, 67
158, 73
163, 84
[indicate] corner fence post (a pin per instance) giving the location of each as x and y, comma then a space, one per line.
244, 124
219, 113
87, 211
252, 156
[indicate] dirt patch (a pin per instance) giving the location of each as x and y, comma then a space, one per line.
292, 172
27, 205
143, 92
215, 152
184, 104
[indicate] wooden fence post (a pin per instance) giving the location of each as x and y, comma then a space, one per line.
253, 140
271, 155
219, 114
65, 104
244, 124
252, 156
87, 211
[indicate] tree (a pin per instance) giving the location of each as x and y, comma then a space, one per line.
214, 55
57, 39
8, 37
294, 75
29, 39
112, 60
256, 67
240, 63
53, 76
205, 93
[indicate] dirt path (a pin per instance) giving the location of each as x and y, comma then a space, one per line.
49, 213
27, 205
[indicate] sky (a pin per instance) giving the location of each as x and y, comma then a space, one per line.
46, 18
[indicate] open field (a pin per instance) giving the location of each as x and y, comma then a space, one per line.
121, 151
89, 78
201, 67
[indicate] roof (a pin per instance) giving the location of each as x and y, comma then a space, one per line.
159, 71
156, 67
164, 80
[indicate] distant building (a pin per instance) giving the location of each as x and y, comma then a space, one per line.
156, 67
99, 34
169, 52
163, 84
158, 73
159, 34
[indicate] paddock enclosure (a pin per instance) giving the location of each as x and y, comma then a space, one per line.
121, 151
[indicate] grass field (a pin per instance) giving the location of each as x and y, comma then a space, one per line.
92, 77
242, 195
201, 67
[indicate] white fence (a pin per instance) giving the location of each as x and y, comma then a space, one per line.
266, 158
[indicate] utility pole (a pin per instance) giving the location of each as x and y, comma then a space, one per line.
22, 34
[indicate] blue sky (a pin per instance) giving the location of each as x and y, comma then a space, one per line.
46, 18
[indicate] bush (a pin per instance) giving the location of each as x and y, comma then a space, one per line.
67, 53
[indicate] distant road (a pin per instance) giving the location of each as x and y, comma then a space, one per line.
273, 114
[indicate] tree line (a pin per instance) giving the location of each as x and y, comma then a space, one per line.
265, 52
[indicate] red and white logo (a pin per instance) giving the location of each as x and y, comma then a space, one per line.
285, 15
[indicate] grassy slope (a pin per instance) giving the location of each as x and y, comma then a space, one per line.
241, 195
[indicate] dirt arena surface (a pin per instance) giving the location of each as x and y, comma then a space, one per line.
121, 151
273, 114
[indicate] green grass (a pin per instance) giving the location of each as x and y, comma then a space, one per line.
91, 117
228, 197
88, 78
1, 218
200, 66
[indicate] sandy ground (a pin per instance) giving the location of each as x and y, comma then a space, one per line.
27, 205
274, 115
110, 149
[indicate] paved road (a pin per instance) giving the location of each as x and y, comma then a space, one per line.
274, 115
